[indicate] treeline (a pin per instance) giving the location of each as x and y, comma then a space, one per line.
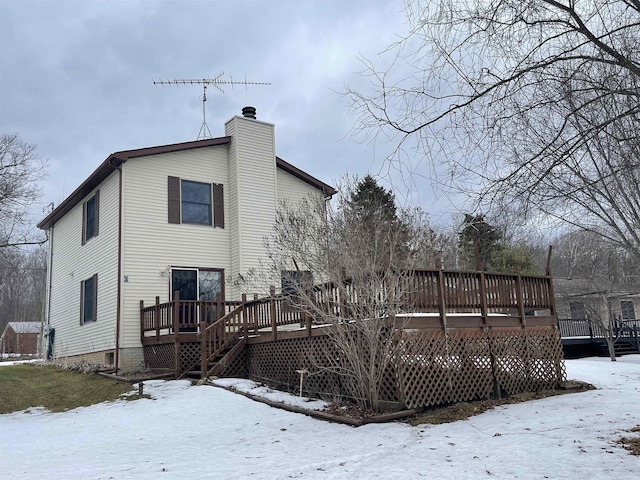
23, 280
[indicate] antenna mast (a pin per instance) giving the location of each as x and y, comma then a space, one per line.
217, 82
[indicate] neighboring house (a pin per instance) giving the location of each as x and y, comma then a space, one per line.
188, 217
580, 299
21, 338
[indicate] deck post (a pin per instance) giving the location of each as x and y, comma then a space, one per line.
520, 301
307, 322
219, 307
245, 323
272, 311
176, 331
141, 321
442, 307
156, 316
204, 354
484, 309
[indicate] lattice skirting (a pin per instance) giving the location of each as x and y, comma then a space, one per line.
426, 368
160, 356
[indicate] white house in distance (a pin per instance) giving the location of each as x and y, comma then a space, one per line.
151, 221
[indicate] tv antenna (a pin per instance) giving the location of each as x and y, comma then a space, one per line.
217, 82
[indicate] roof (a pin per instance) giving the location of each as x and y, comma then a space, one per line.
25, 327
113, 161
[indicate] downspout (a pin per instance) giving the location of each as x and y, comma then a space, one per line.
119, 290
49, 345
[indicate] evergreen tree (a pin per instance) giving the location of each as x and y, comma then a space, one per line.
478, 232
371, 202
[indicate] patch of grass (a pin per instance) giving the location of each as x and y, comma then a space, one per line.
464, 410
632, 443
26, 386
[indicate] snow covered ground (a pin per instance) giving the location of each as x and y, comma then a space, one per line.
190, 432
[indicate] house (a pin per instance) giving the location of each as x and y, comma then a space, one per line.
579, 298
187, 217
21, 338
596, 318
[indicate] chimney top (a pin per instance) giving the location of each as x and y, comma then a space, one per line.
249, 112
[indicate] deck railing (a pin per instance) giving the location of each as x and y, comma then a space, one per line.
451, 292
180, 316
438, 291
621, 329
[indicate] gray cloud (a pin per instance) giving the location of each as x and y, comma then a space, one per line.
76, 77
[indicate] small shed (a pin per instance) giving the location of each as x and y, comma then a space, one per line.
21, 338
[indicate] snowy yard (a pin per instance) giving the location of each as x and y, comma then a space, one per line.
207, 432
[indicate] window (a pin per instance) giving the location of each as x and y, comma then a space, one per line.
88, 299
292, 280
577, 311
195, 202
627, 310
90, 210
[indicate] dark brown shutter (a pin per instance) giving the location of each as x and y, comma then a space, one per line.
218, 205
97, 216
81, 302
95, 297
84, 223
174, 200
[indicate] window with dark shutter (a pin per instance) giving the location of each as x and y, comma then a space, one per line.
195, 202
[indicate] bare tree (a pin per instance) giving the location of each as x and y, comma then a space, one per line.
20, 171
365, 258
22, 285
535, 103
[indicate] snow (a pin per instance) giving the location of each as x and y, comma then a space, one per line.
188, 432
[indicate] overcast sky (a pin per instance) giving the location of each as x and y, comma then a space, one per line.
76, 79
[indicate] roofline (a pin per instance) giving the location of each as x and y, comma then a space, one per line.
111, 163
115, 160
327, 189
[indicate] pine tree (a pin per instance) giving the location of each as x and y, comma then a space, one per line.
371, 202
478, 232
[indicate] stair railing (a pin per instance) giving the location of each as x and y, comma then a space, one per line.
221, 334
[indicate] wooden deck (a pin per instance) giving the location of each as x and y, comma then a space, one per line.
578, 333
189, 335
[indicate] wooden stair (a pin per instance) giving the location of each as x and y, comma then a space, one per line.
621, 347
216, 365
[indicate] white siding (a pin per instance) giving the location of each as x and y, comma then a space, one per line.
150, 243
72, 263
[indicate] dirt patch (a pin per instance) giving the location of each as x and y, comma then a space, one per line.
464, 410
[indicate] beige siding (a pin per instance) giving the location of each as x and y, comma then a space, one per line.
253, 158
234, 212
151, 244
292, 190
73, 262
